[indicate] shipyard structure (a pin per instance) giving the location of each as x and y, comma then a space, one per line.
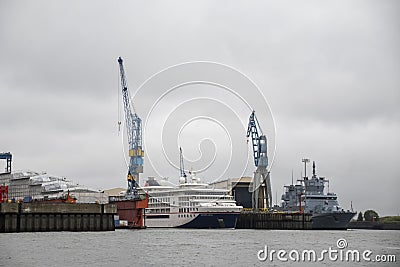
27, 186
28, 200
37, 202
43, 191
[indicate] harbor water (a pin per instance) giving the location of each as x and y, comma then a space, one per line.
190, 247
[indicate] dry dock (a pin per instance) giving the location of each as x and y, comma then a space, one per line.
268, 220
43, 217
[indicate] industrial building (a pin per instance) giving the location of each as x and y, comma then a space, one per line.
240, 188
115, 194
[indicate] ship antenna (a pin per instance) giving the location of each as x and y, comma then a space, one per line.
305, 161
313, 168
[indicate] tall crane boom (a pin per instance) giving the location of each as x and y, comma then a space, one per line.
261, 194
134, 133
253, 132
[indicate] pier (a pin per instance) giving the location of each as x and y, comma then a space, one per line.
46, 217
279, 221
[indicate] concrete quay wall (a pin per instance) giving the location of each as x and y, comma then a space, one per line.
42, 217
281, 221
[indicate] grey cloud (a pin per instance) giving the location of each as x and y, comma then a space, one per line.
329, 72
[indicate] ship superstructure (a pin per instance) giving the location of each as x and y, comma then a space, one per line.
191, 204
309, 196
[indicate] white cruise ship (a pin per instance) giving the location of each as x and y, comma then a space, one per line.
190, 205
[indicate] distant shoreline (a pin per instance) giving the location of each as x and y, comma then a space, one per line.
374, 225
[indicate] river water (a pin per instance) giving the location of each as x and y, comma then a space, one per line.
189, 247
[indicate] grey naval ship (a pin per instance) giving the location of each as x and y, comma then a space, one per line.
308, 196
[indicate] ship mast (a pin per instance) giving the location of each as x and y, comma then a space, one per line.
305, 161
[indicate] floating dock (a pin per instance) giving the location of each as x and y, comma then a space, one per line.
279, 221
132, 211
46, 217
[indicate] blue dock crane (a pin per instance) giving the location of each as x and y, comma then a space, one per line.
261, 190
133, 126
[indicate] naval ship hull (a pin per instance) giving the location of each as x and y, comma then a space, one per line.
332, 221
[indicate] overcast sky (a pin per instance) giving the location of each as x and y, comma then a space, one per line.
329, 72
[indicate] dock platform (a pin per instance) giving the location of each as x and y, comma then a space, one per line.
270, 220
46, 217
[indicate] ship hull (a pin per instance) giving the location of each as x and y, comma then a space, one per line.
332, 221
218, 220
198, 221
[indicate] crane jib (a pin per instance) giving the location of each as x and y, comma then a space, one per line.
259, 142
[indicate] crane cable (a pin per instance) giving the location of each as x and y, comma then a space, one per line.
119, 117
